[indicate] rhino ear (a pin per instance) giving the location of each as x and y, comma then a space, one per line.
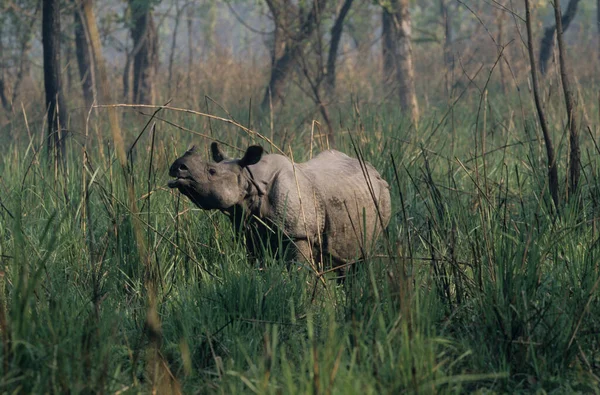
217, 155
192, 149
252, 156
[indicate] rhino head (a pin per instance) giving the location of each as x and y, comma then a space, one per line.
213, 185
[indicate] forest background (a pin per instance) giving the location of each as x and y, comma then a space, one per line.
483, 116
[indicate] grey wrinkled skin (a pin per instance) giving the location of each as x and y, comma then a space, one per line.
330, 207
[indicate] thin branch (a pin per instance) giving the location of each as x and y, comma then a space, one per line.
185, 110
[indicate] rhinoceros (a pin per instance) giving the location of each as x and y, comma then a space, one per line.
332, 207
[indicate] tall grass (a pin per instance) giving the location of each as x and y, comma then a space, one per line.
485, 287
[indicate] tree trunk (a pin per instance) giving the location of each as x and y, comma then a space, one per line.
279, 73
145, 61
67, 52
24, 61
548, 40
276, 44
574, 153
283, 65
447, 24
552, 171
336, 36
127, 78
402, 56
500, 39
448, 56
178, 12
84, 59
3, 98
388, 46
190, 64
55, 104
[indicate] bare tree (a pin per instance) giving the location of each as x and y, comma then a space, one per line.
277, 40
574, 153
145, 51
190, 38
387, 46
24, 54
447, 23
447, 47
19, 21
3, 98
397, 50
552, 171
283, 65
500, 22
548, 40
55, 103
179, 10
84, 58
336, 36
315, 78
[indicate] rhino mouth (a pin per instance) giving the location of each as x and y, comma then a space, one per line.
181, 176
184, 185
180, 182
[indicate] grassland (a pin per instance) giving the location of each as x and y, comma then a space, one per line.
482, 285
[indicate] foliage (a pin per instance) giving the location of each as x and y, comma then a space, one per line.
485, 289
480, 286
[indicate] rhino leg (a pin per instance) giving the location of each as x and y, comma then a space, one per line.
305, 251
340, 265
302, 251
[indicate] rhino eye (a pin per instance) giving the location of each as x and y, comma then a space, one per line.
212, 171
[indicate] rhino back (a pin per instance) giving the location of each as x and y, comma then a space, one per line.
354, 215
289, 197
